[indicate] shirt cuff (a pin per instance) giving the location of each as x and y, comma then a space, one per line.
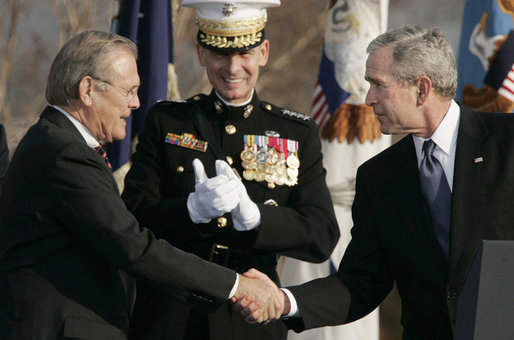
234, 288
294, 312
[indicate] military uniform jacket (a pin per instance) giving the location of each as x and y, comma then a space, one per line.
296, 221
67, 242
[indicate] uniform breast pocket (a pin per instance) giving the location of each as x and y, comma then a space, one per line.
179, 179
178, 164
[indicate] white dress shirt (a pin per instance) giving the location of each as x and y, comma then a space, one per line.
445, 137
84, 131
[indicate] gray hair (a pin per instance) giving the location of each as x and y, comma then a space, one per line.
79, 57
420, 52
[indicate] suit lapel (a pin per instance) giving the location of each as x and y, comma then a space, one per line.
60, 120
471, 159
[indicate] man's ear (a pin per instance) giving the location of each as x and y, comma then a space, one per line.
85, 89
424, 88
201, 54
264, 50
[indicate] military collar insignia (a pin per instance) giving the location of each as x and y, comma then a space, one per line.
218, 107
248, 111
186, 140
295, 114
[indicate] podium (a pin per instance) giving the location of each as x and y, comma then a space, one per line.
485, 307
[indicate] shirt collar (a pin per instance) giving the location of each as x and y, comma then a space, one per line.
83, 130
445, 136
235, 105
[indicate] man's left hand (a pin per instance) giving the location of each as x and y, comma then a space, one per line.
246, 215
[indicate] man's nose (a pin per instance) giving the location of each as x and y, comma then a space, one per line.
134, 102
369, 98
233, 63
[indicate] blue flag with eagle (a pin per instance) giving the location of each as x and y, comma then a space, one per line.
147, 23
486, 56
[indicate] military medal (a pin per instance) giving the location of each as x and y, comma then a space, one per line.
271, 159
249, 165
293, 162
259, 176
292, 173
248, 155
249, 175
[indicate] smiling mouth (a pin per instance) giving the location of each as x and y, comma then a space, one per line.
233, 81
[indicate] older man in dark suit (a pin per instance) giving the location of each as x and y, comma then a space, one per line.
66, 238
423, 205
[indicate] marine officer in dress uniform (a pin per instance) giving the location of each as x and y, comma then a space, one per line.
228, 177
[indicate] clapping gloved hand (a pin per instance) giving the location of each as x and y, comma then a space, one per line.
246, 214
212, 196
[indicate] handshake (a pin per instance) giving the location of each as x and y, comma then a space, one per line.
224, 193
258, 299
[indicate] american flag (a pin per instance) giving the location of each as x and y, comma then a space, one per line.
328, 94
507, 88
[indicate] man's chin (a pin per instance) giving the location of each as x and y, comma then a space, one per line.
385, 130
233, 96
119, 136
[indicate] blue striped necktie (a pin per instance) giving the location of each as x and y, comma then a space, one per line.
436, 191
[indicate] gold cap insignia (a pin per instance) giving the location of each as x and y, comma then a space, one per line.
228, 9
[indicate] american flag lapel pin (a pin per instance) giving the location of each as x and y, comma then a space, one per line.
478, 160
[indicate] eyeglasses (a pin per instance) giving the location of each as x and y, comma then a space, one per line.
129, 94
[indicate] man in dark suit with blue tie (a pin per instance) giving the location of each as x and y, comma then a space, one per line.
423, 205
67, 241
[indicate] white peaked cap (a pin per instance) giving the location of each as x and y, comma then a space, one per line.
230, 25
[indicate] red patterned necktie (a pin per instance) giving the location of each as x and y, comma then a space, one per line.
102, 153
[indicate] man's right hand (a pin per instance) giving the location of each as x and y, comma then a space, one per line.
258, 298
212, 196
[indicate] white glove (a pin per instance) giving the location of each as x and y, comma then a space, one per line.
246, 215
212, 196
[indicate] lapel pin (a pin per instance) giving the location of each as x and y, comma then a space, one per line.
478, 160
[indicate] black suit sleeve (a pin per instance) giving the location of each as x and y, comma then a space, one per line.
364, 277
